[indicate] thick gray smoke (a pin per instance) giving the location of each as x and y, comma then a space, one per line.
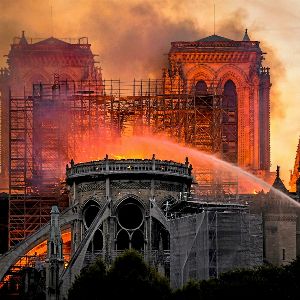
132, 38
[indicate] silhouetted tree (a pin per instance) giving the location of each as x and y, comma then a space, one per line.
90, 284
135, 279
128, 278
264, 282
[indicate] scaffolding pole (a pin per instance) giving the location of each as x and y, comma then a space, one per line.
49, 126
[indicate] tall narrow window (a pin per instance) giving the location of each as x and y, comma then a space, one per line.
230, 96
201, 87
230, 122
137, 240
201, 97
123, 240
283, 254
52, 248
98, 241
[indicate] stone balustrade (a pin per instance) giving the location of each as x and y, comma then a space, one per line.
108, 166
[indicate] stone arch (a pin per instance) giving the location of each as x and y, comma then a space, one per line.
76, 262
200, 76
200, 72
91, 199
231, 95
132, 207
41, 235
122, 240
130, 221
234, 73
197, 73
201, 87
89, 212
119, 201
230, 122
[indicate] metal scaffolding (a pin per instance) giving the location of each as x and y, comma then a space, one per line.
208, 239
47, 128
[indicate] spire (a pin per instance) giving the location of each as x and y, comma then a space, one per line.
298, 154
298, 180
246, 36
55, 241
23, 40
278, 172
295, 173
55, 259
278, 184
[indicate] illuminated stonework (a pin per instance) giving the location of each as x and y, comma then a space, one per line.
147, 205
34, 61
233, 69
127, 187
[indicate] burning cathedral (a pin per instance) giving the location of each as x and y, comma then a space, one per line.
68, 205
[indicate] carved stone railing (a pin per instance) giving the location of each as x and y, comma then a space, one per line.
205, 44
109, 166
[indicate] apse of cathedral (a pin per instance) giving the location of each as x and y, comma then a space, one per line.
232, 70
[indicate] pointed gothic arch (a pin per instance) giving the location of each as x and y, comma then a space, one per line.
201, 88
230, 122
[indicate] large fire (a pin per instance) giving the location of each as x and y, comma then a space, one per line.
125, 147
36, 256
39, 252
207, 169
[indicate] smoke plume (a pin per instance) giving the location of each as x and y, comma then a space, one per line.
132, 37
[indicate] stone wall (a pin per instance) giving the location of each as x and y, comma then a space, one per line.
280, 238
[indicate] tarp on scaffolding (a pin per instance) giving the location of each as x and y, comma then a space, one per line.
214, 241
189, 249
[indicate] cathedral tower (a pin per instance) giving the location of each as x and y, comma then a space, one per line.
32, 61
216, 65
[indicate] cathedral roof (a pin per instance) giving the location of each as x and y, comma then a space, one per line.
246, 37
214, 38
278, 184
52, 41
218, 38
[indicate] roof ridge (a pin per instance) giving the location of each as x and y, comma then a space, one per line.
51, 40
215, 38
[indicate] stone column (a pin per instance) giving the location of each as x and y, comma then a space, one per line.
55, 260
